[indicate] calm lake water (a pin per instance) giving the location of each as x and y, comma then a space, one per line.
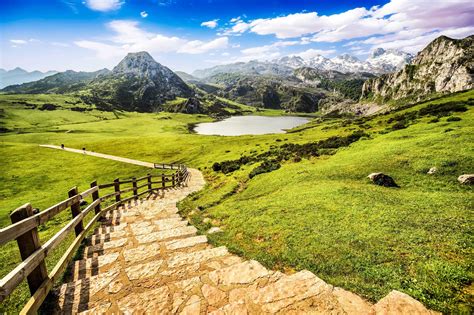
250, 125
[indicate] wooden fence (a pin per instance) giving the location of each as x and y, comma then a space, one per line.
25, 223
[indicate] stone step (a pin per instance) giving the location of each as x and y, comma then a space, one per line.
397, 302
185, 242
183, 259
76, 296
90, 267
147, 227
166, 234
105, 248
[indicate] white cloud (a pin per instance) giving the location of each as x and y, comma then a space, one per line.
143, 14
129, 37
18, 41
396, 17
199, 47
59, 44
210, 24
104, 5
416, 42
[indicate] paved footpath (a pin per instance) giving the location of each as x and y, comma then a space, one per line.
146, 259
101, 155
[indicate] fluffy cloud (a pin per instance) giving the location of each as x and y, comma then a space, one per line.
104, 5
265, 52
199, 47
143, 14
24, 41
419, 18
18, 41
210, 24
129, 37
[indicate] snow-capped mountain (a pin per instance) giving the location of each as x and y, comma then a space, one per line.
380, 61
389, 60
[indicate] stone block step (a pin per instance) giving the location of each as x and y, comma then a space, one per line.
166, 234
90, 267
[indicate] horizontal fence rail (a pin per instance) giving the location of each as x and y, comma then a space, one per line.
25, 223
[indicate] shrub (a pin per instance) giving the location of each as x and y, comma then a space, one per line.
399, 125
265, 167
453, 118
444, 109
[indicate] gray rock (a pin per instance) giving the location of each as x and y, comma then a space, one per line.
433, 170
214, 229
382, 180
466, 179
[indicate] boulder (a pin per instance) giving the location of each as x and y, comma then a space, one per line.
466, 179
432, 170
214, 229
397, 302
382, 180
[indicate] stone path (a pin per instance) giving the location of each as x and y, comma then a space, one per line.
145, 259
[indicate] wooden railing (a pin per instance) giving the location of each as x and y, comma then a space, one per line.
25, 223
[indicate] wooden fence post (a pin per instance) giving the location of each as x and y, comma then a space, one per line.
95, 196
135, 191
149, 181
163, 183
29, 243
173, 180
75, 210
117, 189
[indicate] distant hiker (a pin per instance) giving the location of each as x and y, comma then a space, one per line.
62, 146
84, 150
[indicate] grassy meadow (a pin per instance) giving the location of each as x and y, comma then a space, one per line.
320, 214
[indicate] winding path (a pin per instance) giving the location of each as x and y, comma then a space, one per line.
100, 155
146, 259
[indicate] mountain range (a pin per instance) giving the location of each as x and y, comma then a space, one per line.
292, 83
19, 76
380, 61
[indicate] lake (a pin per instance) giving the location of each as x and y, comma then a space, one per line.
250, 125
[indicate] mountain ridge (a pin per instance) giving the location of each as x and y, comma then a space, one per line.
381, 61
19, 75
446, 65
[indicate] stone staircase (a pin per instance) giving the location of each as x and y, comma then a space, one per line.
146, 259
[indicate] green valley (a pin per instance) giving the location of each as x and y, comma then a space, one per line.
316, 211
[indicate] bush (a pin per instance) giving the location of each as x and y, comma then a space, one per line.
399, 125
453, 118
444, 109
265, 167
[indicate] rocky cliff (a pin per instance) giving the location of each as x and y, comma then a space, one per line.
446, 65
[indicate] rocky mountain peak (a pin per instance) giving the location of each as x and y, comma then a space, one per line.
141, 64
443, 66
377, 52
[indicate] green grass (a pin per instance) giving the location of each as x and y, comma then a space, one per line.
320, 214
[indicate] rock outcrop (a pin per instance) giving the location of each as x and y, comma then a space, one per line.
466, 179
382, 180
446, 65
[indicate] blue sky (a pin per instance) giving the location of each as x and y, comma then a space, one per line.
187, 35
